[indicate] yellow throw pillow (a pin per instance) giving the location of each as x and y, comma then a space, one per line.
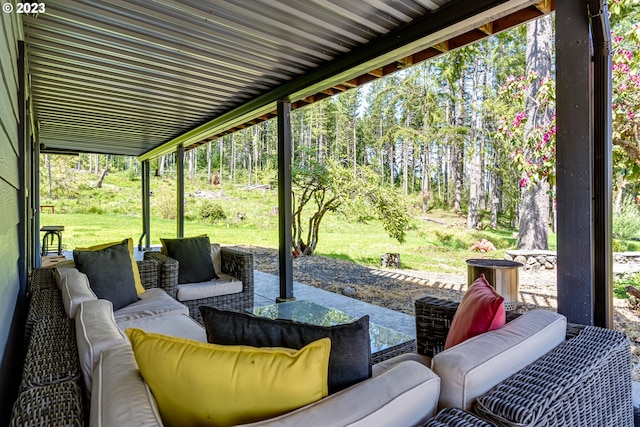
199, 384
134, 265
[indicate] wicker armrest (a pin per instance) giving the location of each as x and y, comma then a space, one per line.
149, 273
42, 278
238, 264
585, 381
454, 417
433, 320
168, 268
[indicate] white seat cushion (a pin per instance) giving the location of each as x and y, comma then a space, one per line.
405, 394
176, 325
153, 302
96, 331
473, 367
225, 285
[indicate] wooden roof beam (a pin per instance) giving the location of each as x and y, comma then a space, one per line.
487, 28
442, 46
545, 6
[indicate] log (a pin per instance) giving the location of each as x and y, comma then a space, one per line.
102, 175
390, 260
632, 290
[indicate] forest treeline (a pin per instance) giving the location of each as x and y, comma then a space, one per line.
444, 130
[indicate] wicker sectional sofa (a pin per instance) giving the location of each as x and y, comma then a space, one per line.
93, 345
525, 373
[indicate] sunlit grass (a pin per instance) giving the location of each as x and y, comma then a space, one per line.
437, 241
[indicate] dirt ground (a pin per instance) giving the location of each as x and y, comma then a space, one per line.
397, 289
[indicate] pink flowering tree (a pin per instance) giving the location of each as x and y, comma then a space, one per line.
535, 153
625, 74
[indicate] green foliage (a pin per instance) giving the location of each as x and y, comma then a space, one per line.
354, 192
211, 212
619, 285
618, 246
165, 205
626, 220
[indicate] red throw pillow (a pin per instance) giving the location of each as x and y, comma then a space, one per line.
480, 311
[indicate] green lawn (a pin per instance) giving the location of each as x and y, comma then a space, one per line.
435, 242
429, 246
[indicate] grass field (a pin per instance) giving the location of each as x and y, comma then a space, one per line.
429, 246
436, 241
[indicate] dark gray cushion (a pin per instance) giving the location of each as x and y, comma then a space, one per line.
110, 273
350, 357
194, 258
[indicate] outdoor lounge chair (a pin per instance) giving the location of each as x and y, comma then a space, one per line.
234, 265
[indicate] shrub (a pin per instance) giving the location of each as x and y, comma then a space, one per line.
166, 206
450, 241
626, 220
483, 246
212, 212
619, 246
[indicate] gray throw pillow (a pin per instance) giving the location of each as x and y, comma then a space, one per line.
110, 274
350, 358
194, 258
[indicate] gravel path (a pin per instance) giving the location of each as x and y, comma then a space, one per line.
398, 289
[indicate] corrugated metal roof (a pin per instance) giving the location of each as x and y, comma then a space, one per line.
127, 77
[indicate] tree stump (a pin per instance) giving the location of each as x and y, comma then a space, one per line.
390, 260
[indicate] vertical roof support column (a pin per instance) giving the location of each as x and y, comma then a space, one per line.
284, 200
602, 165
180, 191
146, 205
574, 163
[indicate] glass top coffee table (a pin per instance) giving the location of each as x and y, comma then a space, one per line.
385, 342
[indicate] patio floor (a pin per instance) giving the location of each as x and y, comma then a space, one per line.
267, 290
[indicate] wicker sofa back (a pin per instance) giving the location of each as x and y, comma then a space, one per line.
51, 391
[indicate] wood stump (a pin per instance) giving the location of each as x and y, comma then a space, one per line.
390, 260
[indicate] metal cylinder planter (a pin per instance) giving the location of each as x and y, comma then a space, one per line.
501, 274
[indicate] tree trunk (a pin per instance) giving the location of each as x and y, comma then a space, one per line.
49, 173
533, 233
534, 209
457, 159
209, 161
495, 200
102, 175
391, 159
405, 166
220, 163
425, 178
475, 171
233, 158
